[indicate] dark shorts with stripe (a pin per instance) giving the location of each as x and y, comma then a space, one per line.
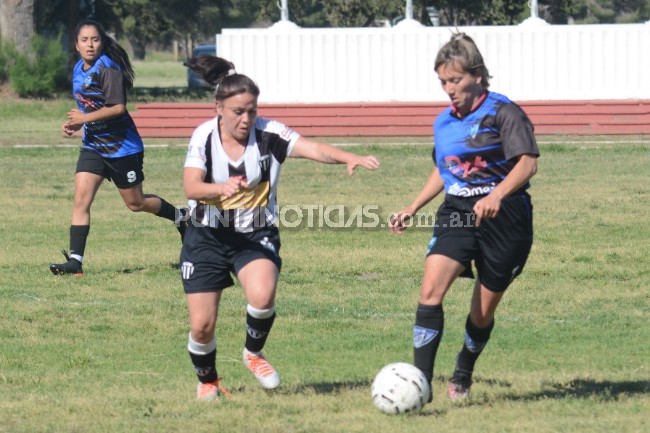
499, 247
125, 172
209, 256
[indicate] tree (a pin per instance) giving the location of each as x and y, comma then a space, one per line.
17, 22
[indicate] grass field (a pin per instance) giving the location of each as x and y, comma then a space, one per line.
107, 352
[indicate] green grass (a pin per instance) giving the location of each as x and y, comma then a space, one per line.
160, 73
107, 352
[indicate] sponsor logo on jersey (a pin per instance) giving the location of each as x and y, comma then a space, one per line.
467, 191
423, 336
455, 165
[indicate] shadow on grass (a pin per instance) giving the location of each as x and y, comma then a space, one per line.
586, 388
324, 388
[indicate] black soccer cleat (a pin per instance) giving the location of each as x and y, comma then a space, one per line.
70, 267
459, 386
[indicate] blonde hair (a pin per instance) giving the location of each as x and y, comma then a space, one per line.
462, 51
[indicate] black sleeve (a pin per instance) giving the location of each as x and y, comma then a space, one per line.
516, 132
112, 83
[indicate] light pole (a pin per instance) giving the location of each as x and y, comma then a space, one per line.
284, 23
409, 10
408, 20
533, 9
534, 19
284, 10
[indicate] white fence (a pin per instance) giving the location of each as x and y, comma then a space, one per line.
527, 62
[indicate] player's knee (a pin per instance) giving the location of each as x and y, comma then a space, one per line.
202, 332
135, 206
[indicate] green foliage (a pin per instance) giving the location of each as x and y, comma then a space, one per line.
7, 59
41, 72
595, 11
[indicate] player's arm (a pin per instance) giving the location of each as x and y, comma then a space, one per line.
197, 189
76, 118
429, 191
112, 84
328, 154
488, 206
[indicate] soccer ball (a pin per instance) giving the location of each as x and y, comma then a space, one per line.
399, 388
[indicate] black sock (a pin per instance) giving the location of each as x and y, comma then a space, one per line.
475, 340
205, 366
257, 331
427, 332
167, 211
78, 236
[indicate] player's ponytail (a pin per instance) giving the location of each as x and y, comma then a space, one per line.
112, 49
221, 74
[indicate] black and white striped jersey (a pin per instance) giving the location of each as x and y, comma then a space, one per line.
269, 144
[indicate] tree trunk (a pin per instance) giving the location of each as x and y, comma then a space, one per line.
17, 22
139, 48
73, 20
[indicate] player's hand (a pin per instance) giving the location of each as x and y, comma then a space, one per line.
233, 185
69, 129
398, 221
369, 162
75, 118
487, 207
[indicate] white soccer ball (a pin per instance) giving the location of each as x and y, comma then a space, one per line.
399, 388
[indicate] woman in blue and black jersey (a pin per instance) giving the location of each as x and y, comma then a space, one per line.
484, 154
231, 175
111, 146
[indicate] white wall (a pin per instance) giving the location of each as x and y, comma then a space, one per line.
527, 62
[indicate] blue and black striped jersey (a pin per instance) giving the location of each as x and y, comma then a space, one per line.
474, 153
103, 85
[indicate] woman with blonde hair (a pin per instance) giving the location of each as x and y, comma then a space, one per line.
484, 154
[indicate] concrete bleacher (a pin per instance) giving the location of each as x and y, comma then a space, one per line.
606, 117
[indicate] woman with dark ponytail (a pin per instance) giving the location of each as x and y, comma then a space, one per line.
111, 146
231, 175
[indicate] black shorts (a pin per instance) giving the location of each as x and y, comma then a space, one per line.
210, 255
125, 171
499, 247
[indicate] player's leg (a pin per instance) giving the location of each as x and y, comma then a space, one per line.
203, 310
259, 280
128, 176
478, 328
504, 244
205, 272
86, 186
439, 273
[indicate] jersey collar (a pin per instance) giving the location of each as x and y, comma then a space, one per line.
479, 101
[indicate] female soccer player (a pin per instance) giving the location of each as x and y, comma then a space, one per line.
485, 153
111, 147
231, 175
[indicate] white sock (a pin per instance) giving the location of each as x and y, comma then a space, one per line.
200, 348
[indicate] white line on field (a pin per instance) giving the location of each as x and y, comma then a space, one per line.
397, 143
